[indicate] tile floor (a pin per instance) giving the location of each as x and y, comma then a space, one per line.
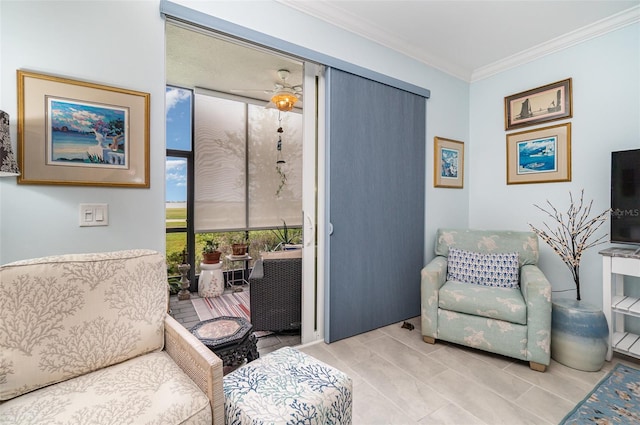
399, 379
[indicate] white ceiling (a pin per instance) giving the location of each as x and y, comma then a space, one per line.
467, 39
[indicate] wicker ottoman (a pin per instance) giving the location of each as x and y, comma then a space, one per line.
287, 386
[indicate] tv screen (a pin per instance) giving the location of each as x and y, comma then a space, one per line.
625, 197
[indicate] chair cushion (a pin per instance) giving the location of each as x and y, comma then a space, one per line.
109, 307
145, 390
483, 269
485, 301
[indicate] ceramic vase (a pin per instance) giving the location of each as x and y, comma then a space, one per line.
579, 335
211, 281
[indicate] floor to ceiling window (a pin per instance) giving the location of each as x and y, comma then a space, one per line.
179, 162
235, 177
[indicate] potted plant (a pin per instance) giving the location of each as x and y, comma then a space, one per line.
579, 331
287, 238
239, 245
210, 253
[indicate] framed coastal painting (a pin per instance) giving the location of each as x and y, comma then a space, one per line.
543, 104
542, 155
79, 133
448, 163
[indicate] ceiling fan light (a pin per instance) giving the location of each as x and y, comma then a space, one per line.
284, 100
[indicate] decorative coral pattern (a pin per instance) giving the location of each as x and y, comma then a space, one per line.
80, 341
64, 316
515, 321
287, 387
150, 389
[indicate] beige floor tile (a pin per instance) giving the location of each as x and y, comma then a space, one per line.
590, 378
411, 338
414, 397
367, 336
480, 402
471, 367
544, 404
451, 415
412, 361
370, 407
561, 385
350, 351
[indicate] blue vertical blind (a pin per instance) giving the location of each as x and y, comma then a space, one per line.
376, 204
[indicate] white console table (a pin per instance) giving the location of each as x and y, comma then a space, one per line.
617, 263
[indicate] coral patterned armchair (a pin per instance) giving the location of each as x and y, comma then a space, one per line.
86, 338
484, 290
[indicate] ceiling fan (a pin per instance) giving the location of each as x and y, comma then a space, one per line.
284, 95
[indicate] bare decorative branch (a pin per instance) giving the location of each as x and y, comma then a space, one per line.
573, 233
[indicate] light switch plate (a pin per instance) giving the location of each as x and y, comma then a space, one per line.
93, 215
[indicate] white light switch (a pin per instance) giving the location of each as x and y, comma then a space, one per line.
94, 215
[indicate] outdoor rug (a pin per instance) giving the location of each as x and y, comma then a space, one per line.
615, 400
232, 304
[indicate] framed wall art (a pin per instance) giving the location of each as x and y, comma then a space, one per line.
542, 155
448, 163
79, 133
543, 104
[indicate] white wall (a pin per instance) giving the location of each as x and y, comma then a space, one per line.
122, 44
113, 43
606, 117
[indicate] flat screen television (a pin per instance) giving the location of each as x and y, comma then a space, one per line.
625, 197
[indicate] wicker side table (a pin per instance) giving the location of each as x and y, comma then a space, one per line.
231, 338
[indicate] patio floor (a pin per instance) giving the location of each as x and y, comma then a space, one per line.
185, 314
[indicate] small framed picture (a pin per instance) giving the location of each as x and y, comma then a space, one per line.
78, 133
542, 155
448, 163
543, 104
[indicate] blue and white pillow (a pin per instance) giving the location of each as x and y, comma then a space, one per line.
499, 269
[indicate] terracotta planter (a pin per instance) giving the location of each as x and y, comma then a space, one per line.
239, 248
211, 257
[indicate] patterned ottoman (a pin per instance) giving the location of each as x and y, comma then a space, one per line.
287, 387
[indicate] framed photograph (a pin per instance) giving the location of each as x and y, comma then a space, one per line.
547, 103
539, 156
78, 133
448, 165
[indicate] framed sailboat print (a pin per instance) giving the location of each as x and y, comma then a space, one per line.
541, 155
543, 104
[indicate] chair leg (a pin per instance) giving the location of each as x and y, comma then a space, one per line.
537, 367
429, 339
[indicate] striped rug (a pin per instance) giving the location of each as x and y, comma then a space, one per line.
231, 304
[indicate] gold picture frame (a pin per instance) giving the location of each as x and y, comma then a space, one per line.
448, 165
547, 103
542, 155
79, 133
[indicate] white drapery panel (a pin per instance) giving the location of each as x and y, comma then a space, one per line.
236, 178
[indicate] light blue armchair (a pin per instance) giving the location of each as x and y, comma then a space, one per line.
510, 317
